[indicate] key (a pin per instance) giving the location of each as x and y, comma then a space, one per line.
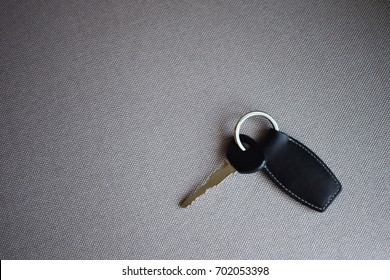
249, 161
214, 180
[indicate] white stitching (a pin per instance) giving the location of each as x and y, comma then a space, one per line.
280, 184
316, 158
323, 165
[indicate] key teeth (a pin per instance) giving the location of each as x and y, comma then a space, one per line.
192, 202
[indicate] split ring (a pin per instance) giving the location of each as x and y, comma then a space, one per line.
244, 118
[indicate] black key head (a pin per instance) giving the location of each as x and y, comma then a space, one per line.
249, 161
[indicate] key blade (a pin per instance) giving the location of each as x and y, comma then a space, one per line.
216, 178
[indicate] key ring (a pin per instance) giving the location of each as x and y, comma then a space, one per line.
244, 118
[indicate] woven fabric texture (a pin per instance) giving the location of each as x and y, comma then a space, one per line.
111, 112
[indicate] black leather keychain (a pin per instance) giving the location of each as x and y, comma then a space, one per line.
294, 167
289, 163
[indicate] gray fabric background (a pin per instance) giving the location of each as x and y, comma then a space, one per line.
113, 111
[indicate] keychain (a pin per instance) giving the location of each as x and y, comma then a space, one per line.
289, 163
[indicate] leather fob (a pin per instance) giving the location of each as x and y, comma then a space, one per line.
298, 171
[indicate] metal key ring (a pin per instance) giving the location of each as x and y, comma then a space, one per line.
244, 118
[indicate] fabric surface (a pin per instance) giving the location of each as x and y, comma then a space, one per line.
113, 111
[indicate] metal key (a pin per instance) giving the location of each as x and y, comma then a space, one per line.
249, 160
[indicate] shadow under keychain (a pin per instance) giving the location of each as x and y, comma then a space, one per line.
289, 163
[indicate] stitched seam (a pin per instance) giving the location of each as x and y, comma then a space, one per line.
323, 165
290, 192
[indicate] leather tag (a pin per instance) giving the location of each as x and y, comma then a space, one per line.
298, 171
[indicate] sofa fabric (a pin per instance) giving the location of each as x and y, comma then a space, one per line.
112, 112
